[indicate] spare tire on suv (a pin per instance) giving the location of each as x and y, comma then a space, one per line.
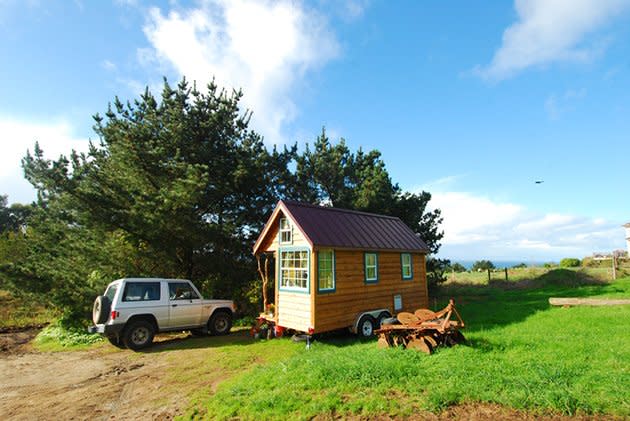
100, 311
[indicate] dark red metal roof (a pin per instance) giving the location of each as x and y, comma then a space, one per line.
342, 228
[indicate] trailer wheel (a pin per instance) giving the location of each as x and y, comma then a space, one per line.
365, 328
381, 317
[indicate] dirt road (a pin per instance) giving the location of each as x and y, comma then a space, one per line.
102, 383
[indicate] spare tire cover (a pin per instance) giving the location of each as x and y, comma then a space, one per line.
100, 311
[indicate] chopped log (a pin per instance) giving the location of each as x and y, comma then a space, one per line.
588, 302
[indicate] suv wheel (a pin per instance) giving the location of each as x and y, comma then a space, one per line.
220, 323
138, 334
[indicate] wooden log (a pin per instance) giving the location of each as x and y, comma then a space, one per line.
588, 302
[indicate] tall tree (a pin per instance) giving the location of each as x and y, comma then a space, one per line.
331, 174
182, 178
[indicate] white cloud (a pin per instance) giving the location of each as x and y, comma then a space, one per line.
478, 227
263, 47
549, 31
55, 138
109, 66
556, 105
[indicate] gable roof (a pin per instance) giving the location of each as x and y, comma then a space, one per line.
342, 228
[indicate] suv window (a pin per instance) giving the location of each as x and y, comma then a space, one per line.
111, 291
181, 291
141, 291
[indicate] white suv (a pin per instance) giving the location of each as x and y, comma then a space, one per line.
132, 310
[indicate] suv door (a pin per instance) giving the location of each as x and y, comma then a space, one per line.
184, 305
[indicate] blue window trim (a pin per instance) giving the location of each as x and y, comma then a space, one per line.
365, 279
406, 278
334, 274
308, 271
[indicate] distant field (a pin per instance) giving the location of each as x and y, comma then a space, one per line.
519, 274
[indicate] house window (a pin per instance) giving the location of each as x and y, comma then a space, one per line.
371, 267
294, 270
407, 268
326, 270
286, 233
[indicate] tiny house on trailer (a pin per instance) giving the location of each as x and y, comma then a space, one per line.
337, 268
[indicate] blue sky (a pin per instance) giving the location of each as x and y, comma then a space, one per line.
472, 101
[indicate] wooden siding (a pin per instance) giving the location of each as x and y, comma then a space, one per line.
339, 309
294, 310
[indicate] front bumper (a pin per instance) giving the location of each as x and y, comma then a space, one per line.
106, 330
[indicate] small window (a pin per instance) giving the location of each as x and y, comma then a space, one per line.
398, 302
141, 291
181, 291
111, 292
371, 267
326, 270
286, 233
406, 266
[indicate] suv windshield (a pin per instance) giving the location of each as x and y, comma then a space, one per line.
111, 291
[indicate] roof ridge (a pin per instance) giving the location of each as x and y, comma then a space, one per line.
342, 210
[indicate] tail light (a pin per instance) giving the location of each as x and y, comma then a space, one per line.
310, 330
115, 314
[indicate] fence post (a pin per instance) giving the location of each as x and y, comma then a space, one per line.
489, 276
506, 274
614, 263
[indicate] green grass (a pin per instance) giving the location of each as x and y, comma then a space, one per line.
522, 354
16, 313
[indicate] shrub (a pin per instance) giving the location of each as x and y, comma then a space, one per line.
519, 266
58, 335
569, 262
457, 267
436, 269
482, 265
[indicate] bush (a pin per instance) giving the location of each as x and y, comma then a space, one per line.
58, 335
457, 267
480, 265
436, 269
569, 262
519, 266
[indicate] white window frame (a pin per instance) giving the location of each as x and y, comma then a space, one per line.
402, 266
332, 268
283, 280
288, 229
366, 267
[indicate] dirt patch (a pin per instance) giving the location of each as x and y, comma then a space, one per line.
103, 383
16, 341
82, 385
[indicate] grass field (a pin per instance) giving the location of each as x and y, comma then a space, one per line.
518, 274
522, 354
